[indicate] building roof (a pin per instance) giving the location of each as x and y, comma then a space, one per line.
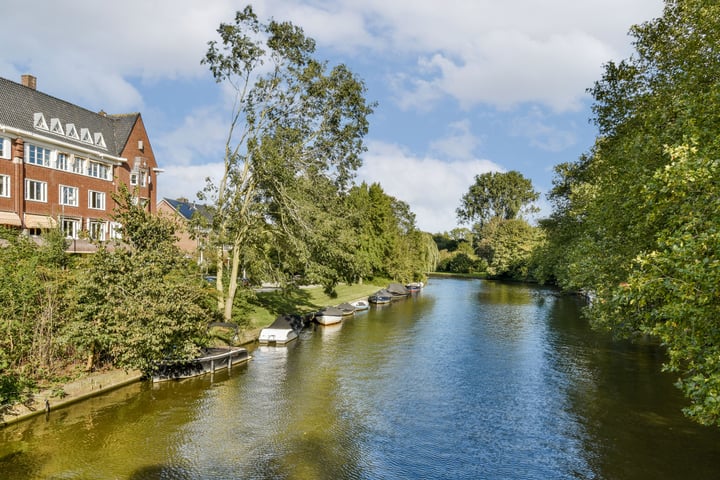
188, 209
21, 107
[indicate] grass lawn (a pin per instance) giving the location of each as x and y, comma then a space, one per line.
303, 300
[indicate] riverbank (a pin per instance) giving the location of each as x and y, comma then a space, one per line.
97, 383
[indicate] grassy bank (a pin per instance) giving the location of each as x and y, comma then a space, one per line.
269, 305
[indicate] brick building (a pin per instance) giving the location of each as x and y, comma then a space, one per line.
191, 238
60, 164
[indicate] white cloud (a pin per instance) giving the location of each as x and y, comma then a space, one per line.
200, 136
459, 144
186, 181
432, 187
542, 131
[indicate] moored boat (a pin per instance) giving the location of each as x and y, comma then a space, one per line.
347, 309
283, 330
212, 360
380, 297
414, 286
397, 291
360, 305
329, 315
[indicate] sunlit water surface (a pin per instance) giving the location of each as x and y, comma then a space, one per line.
467, 380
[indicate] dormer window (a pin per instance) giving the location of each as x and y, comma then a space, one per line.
56, 126
39, 121
85, 135
72, 131
100, 140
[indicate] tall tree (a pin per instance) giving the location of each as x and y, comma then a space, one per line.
496, 195
292, 120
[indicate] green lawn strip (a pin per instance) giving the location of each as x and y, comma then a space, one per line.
303, 300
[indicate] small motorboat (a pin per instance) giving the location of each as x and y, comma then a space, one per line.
380, 297
212, 360
414, 286
360, 305
283, 330
329, 315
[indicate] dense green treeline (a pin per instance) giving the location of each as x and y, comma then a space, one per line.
501, 242
635, 221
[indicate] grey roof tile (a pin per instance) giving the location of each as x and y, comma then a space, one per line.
19, 103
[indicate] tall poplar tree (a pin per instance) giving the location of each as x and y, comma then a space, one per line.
293, 120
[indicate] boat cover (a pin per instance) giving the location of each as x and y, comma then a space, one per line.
397, 289
294, 322
331, 311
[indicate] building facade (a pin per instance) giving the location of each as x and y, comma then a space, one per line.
61, 163
190, 238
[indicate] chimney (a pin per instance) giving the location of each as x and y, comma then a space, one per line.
29, 81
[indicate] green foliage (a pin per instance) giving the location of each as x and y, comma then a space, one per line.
387, 241
140, 302
293, 144
34, 286
460, 262
635, 221
496, 195
672, 292
507, 246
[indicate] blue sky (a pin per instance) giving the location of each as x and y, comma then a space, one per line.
463, 86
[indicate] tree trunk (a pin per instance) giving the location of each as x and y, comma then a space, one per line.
219, 278
232, 287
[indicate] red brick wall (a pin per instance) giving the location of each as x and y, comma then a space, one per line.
130, 152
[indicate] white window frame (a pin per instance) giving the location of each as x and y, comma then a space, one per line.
39, 121
5, 186
134, 176
62, 161
70, 227
100, 140
69, 196
4, 147
97, 229
78, 165
93, 169
96, 200
37, 187
37, 155
85, 136
72, 131
56, 126
115, 231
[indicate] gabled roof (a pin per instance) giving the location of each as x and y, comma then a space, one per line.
188, 209
25, 108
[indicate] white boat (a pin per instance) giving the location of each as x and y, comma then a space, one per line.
212, 360
283, 330
329, 315
360, 305
415, 286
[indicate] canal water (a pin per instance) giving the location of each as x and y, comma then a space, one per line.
468, 379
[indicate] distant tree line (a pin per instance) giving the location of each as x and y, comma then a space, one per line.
500, 242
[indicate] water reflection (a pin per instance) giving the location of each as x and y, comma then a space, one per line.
469, 379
